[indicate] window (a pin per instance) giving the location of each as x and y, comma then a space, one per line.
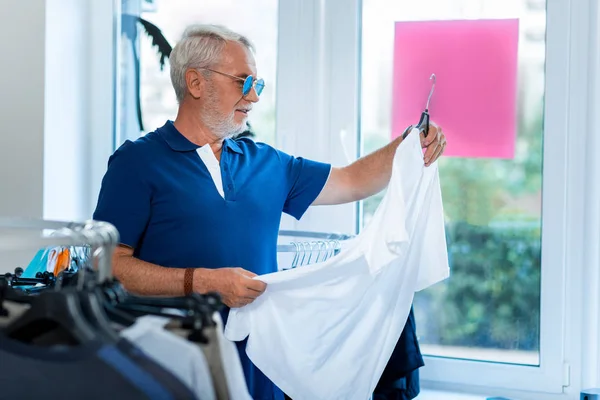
257, 20
490, 309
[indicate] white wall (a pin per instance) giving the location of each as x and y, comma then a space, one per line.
22, 89
22, 77
66, 117
56, 108
590, 288
78, 136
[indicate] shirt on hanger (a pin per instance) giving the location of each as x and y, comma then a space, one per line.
39, 263
65, 372
126, 354
180, 357
211, 353
327, 330
61, 259
224, 361
236, 383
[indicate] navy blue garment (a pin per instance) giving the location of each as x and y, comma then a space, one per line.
165, 378
93, 370
400, 378
162, 199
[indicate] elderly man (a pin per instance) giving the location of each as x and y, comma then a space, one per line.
200, 212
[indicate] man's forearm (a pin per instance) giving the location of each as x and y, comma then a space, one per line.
147, 279
370, 174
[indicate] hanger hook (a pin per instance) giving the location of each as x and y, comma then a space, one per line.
296, 255
431, 78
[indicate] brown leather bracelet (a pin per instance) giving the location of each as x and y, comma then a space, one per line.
188, 281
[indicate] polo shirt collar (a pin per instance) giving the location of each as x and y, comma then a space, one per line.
233, 146
178, 142
175, 139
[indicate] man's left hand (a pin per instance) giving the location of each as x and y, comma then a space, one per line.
435, 143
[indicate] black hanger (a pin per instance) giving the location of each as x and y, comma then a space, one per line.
195, 311
123, 308
93, 307
79, 309
45, 278
110, 300
50, 311
189, 306
92, 300
96, 302
71, 314
423, 125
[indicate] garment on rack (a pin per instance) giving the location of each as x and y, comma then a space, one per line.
405, 388
14, 311
179, 356
234, 373
63, 341
327, 330
49, 341
400, 378
225, 366
162, 376
39, 263
211, 353
64, 372
58, 260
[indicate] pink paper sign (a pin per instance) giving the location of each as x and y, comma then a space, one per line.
475, 63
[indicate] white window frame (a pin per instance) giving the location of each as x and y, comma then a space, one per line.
590, 308
318, 96
104, 31
550, 375
317, 102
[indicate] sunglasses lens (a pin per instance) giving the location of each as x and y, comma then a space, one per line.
247, 85
260, 85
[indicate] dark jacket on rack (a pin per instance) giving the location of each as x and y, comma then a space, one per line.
400, 378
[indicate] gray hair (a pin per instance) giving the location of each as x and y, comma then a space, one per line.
200, 47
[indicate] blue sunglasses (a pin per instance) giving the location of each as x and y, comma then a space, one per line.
249, 82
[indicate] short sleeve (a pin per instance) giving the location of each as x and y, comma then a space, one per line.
306, 179
125, 196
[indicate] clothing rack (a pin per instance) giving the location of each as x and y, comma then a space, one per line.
310, 247
102, 239
96, 324
31, 234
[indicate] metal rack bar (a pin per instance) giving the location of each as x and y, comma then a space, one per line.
292, 248
102, 237
312, 247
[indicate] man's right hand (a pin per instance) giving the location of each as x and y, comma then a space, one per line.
236, 286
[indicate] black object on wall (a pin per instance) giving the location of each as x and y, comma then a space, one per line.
129, 27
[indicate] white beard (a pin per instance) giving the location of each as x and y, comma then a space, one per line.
219, 124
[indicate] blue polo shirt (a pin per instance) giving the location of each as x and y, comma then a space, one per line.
162, 199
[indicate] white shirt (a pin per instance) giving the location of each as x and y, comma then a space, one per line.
234, 373
327, 330
186, 360
212, 164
